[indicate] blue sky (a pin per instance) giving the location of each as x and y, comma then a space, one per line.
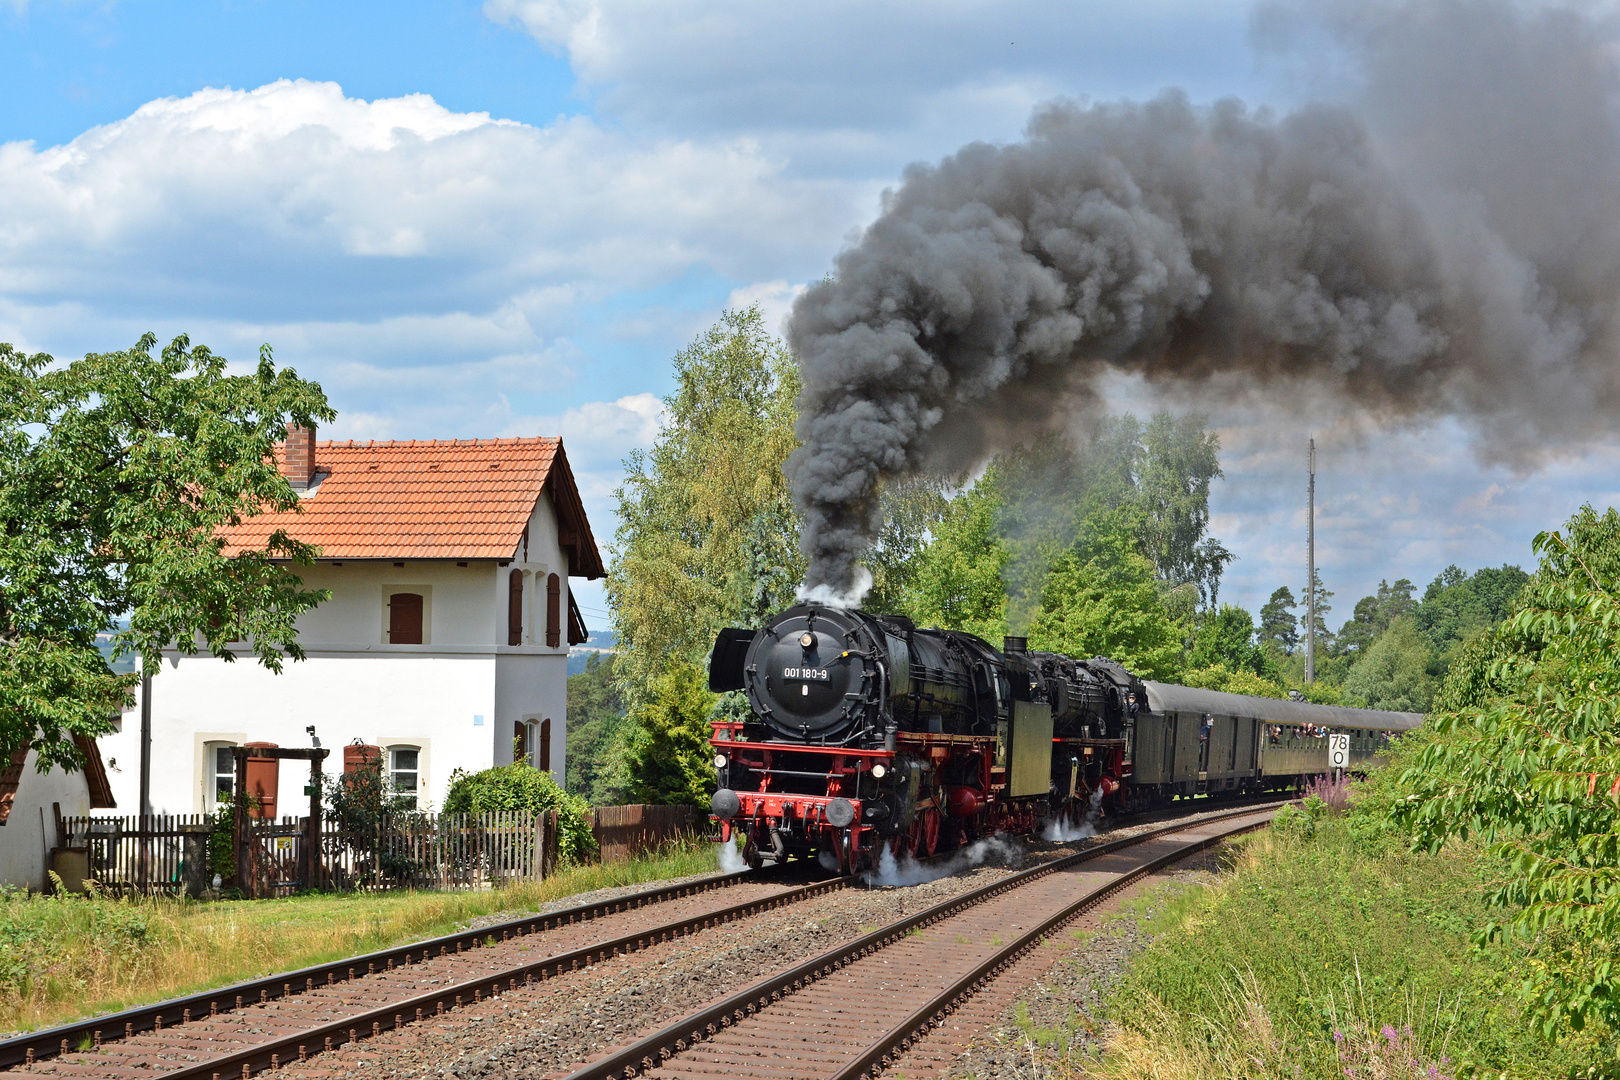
503, 218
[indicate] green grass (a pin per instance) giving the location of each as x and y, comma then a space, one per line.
1318, 957
62, 958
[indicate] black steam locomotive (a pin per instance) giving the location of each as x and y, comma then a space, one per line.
867, 732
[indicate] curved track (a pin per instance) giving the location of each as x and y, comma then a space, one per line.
850, 1012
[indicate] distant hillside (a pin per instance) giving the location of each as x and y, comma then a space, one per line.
104, 642
600, 641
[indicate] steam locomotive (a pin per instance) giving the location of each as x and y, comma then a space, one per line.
865, 732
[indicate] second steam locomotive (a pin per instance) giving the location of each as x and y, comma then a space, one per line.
866, 732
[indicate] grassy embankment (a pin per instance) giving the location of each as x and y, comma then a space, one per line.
63, 958
1331, 952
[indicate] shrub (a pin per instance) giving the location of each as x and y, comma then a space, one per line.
1332, 792
523, 787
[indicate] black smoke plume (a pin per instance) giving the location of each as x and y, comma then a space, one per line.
1446, 239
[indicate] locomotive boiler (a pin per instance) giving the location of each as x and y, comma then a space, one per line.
865, 732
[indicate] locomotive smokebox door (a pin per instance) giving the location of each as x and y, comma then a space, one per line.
1031, 771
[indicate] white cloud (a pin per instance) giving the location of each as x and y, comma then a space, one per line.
295, 198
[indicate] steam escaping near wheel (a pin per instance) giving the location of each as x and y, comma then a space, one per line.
1448, 243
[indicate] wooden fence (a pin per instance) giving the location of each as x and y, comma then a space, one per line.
625, 831
145, 853
169, 853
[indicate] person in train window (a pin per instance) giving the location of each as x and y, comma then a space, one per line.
1203, 733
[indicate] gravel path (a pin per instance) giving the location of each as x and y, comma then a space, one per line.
595, 896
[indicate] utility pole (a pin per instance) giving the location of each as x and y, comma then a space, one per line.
1310, 573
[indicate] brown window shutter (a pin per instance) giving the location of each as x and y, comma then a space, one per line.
405, 618
553, 611
514, 608
545, 746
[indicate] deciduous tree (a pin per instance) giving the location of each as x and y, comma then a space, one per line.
116, 473
1101, 599
707, 534
1527, 754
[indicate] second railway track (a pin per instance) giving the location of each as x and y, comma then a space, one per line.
289, 1023
336, 1002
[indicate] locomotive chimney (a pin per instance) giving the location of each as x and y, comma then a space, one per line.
1015, 644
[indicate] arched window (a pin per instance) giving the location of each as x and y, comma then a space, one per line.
405, 618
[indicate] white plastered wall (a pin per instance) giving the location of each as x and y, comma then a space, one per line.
30, 829
428, 701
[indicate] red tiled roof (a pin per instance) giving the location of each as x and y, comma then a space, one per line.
450, 499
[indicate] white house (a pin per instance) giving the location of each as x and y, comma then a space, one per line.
445, 641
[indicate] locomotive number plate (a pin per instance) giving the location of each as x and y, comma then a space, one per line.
809, 674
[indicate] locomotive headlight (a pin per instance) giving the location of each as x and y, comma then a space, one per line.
807, 639
721, 761
879, 771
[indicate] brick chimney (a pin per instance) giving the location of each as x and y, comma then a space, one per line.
298, 462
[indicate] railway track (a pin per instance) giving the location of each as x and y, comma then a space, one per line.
335, 1002
241, 1030
852, 1011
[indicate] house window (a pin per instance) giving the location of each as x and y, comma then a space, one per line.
403, 773
520, 742
405, 618
553, 611
514, 608
224, 769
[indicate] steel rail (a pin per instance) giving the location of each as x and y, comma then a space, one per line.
878, 1056
275, 1052
648, 1053
65, 1038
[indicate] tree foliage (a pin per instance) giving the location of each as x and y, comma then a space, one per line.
1279, 626
708, 538
116, 473
522, 787
599, 732
707, 532
1393, 673
1373, 615
958, 581
914, 510
1101, 599
1527, 755
668, 756
1227, 638
1180, 458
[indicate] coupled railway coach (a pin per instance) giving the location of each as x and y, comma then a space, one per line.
865, 732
